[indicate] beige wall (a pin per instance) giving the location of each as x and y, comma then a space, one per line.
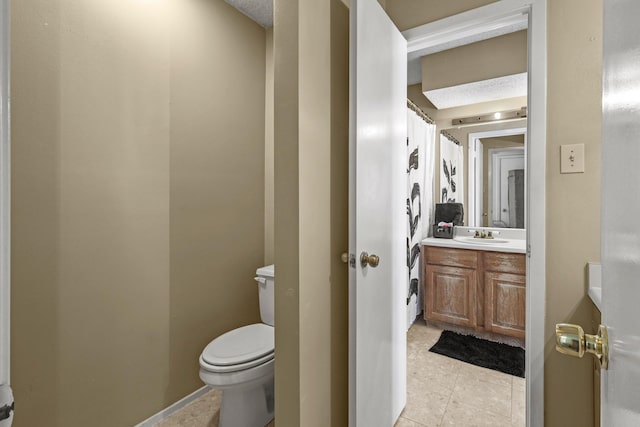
483, 60
138, 216
573, 200
411, 13
269, 221
311, 175
286, 200
217, 179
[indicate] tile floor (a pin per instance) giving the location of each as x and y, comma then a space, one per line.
440, 392
446, 392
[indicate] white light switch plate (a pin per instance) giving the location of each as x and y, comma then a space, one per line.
572, 158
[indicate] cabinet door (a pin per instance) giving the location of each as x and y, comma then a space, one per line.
505, 303
451, 295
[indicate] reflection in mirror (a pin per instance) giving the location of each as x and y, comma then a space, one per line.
499, 178
495, 173
451, 166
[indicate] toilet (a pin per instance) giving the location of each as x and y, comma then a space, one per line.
240, 363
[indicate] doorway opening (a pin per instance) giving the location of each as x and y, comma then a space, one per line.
376, 121
469, 25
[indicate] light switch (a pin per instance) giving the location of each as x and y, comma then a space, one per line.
572, 158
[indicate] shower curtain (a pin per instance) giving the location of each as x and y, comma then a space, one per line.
451, 181
421, 142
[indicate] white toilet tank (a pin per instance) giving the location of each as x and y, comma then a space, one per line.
265, 279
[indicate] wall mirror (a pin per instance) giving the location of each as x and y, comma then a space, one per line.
494, 173
497, 173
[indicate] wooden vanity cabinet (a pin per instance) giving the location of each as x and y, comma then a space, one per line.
505, 293
452, 284
477, 290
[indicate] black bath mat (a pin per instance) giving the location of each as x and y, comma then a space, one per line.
487, 354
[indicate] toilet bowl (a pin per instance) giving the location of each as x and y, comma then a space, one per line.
240, 364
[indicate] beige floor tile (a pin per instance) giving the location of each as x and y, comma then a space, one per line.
483, 395
518, 403
519, 383
483, 374
405, 422
426, 409
420, 329
415, 348
461, 415
203, 412
421, 338
430, 372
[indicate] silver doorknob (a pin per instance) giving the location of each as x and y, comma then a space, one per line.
366, 259
571, 340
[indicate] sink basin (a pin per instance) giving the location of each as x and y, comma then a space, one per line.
475, 241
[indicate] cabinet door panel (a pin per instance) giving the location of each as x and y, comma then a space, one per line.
505, 303
451, 295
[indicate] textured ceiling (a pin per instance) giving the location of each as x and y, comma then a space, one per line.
481, 91
260, 11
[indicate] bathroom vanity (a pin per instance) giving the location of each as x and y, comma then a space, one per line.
476, 287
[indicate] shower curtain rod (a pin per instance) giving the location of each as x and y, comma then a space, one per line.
448, 135
424, 116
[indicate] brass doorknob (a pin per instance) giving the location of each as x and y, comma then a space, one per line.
371, 260
571, 340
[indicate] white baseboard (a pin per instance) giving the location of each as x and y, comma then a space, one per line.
165, 413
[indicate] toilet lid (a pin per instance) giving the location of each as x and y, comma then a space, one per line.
239, 346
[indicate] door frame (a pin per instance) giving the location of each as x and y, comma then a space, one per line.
5, 194
473, 141
492, 20
475, 167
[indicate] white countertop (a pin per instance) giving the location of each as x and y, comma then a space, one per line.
506, 240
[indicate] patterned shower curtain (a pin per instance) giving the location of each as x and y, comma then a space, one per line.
421, 142
451, 182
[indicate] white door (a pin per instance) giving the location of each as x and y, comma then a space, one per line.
621, 212
377, 217
6, 397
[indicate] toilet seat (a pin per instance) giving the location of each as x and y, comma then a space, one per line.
234, 368
239, 349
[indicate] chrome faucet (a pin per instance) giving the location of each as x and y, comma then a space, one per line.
481, 234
